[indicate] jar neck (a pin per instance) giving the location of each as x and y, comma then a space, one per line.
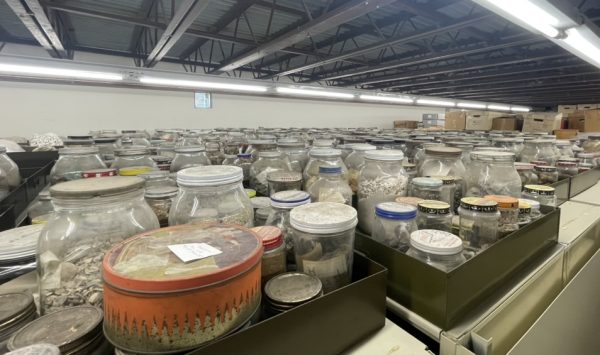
94, 202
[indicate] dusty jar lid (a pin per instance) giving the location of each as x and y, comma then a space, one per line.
532, 203
37, 349
145, 263
161, 192
132, 150
14, 307
434, 207
445, 151
385, 155
363, 147
190, 149
78, 151
323, 218
427, 182
436, 242
284, 176
539, 189
395, 210
409, 200
523, 166
271, 236
68, 329
103, 186
19, 243
503, 201
324, 153
210, 175
545, 168
293, 288
99, 173
478, 204
289, 199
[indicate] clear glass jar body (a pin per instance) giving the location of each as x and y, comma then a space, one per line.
106, 148
546, 175
510, 145
280, 218
188, 159
538, 150
567, 170
261, 168
158, 178
509, 220
188, 140
273, 263
379, 181
311, 172
492, 177
478, 230
161, 207
354, 162
395, 233
41, 207
261, 215
297, 156
565, 151
442, 222
72, 163
425, 192
244, 162
326, 256
331, 188
227, 203
546, 200
133, 160
166, 150
436, 165
527, 176
74, 240
443, 262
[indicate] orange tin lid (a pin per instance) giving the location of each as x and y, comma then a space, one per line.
504, 201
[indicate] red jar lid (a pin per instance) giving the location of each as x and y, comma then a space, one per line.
98, 173
271, 236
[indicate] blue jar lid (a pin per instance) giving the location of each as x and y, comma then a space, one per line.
330, 169
244, 155
427, 182
395, 210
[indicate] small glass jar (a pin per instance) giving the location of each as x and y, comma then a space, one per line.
509, 213
284, 181
274, 257
535, 212
547, 175
261, 215
434, 215
189, 156
331, 187
426, 188
567, 169
355, 161
133, 156
478, 222
524, 213
160, 199
40, 210
244, 161
268, 162
449, 193
106, 147
528, 176
440, 249
541, 193
323, 234
296, 153
212, 193
322, 157
158, 178
493, 173
393, 224
72, 162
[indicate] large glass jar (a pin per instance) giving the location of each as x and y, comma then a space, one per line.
511, 145
189, 156
525, 171
72, 162
106, 147
188, 140
323, 234
538, 149
91, 215
268, 162
296, 153
322, 157
244, 161
439, 249
493, 173
393, 224
133, 156
331, 187
540, 193
212, 193
442, 161
434, 215
355, 161
565, 149
260, 145
382, 179
426, 188
478, 222
160, 199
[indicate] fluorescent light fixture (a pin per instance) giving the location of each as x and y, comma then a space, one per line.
321, 93
58, 72
201, 84
499, 107
435, 102
471, 105
520, 109
578, 41
397, 99
530, 14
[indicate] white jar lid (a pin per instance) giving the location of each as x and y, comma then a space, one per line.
289, 199
385, 155
323, 152
210, 175
323, 217
363, 147
436, 242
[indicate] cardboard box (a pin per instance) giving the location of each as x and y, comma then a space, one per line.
565, 133
455, 120
541, 121
434, 123
583, 107
565, 109
505, 124
585, 121
479, 121
406, 124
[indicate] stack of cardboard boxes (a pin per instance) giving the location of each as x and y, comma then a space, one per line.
582, 117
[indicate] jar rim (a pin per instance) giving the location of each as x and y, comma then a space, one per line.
385, 155
76, 150
395, 211
323, 218
209, 175
436, 242
190, 149
97, 187
290, 199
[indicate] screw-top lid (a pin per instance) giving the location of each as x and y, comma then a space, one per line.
293, 288
271, 236
539, 189
160, 192
323, 218
269, 154
190, 149
493, 155
14, 307
210, 175
322, 153
504, 201
284, 176
245, 155
532, 203
566, 164
289, 199
260, 202
74, 151
330, 169
446, 180
523, 166
427, 182
395, 210
524, 207
436, 242
445, 151
434, 207
363, 147
409, 200
36, 349
478, 204
103, 186
545, 168
385, 155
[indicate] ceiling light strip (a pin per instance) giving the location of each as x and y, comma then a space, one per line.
318, 93
202, 84
58, 72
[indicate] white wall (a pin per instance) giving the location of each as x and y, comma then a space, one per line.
28, 108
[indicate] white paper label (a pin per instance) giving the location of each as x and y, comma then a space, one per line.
193, 251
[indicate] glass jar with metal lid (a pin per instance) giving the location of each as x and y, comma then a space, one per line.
538, 149
439, 249
133, 156
524, 213
331, 187
493, 173
72, 162
75, 330
535, 212
268, 162
296, 153
41, 209
212, 193
382, 179
286, 291
420, 154
567, 169
189, 156
106, 147
509, 213
160, 199
322, 157
442, 161
284, 181
393, 224
541, 193
434, 215
323, 234
546, 174
16, 310
90, 216
186, 277
478, 222
274, 255
355, 162
426, 188
526, 173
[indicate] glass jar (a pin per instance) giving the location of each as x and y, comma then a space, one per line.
166, 149
91, 215
587, 159
296, 153
188, 140
434, 215
426, 188
381, 179
493, 173
466, 149
538, 149
592, 144
133, 156
535, 212
260, 145
261, 215
420, 154
189, 156
442, 161
213, 151
449, 193
331, 187
565, 149
41, 209
526, 173
509, 213
106, 147
244, 161
355, 162
511, 145
440, 249
547, 175
268, 162
274, 257
229, 159
393, 224
524, 213
73, 161
158, 178
478, 222
212, 193
322, 157
284, 181
137, 137
541, 193
160, 199
323, 235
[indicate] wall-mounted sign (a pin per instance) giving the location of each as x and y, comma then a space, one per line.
202, 100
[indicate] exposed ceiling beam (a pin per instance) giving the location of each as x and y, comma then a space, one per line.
331, 19
524, 88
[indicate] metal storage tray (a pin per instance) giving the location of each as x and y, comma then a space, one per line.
326, 325
584, 181
443, 298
